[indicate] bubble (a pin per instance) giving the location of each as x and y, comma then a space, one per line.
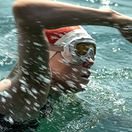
3, 100
44, 79
36, 104
27, 108
28, 101
43, 92
34, 91
34, 108
29, 115
9, 119
37, 44
71, 84
14, 89
23, 88
40, 58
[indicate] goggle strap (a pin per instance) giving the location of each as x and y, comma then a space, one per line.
56, 48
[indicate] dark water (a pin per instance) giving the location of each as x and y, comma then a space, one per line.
106, 104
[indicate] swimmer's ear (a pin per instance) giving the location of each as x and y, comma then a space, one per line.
126, 32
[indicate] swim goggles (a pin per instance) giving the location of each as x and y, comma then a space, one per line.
77, 53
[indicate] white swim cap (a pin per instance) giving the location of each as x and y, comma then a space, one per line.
65, 40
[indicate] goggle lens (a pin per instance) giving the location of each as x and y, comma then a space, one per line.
82, 48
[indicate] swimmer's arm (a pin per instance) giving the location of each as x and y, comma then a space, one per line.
48, 14
56, 14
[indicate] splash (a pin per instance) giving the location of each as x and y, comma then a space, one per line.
100, 102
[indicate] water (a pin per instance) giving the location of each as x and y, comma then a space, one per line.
106, 104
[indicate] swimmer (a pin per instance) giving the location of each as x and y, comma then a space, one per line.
55, 55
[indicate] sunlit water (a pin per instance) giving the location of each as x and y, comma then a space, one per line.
106, 105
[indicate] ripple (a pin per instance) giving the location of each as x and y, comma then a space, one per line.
6, 24
6, 60
125, 73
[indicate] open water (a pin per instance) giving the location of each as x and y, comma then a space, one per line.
106, 105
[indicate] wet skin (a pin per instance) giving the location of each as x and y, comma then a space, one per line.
69, 76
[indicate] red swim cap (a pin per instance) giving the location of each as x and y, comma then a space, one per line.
53, 35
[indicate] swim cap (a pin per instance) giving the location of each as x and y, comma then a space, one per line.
61, 39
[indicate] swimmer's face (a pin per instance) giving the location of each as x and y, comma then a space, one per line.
69, 77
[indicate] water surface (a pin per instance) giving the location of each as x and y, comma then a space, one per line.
106, 105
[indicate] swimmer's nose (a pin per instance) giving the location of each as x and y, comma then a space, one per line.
88, 63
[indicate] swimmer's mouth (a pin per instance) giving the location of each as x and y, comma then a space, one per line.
86, 75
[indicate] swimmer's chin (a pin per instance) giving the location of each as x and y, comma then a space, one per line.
85, 78
82, 86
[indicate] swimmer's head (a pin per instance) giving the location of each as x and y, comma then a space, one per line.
74, 43
72, 53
